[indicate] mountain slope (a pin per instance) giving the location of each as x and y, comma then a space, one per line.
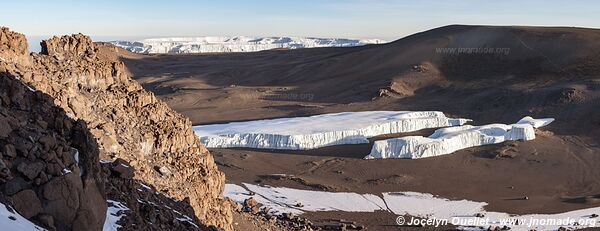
529, 69
500, 75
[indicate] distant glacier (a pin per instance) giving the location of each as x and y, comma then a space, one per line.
234, 44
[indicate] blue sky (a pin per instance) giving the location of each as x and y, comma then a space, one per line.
386, 19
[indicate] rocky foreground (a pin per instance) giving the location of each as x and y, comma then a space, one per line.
70, 106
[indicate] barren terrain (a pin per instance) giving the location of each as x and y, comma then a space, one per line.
547, 72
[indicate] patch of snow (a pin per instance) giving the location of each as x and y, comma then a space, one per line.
71, 116
459, 212
11, 220
447, 140
29, 87
426, 205
300, 133
239, 194
416, 204
284, 200
66, 171
114, 213
183, 217
76, 156
145, 186
536, 123
234, 44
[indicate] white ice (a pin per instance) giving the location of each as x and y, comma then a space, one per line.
459, 212
17, 223
114, 213
422, 205
234, 44
447, 140
300, 133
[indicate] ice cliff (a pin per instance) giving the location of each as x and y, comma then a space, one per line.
235, 44
447, 140
317, 131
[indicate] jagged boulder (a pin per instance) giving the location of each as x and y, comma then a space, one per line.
13, 48
77, 45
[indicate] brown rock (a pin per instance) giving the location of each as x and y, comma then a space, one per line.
48, 142
250, 202
9, 150
122, 169
47, 221
15, 185
54, 169
255, 210
5, 127
4, 172
32, 170
164, 170
27, 203
62, 196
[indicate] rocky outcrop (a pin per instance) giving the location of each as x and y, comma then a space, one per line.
127, 121
49, 167
146, 209
13, 47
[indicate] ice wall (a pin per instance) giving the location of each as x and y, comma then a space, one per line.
447, 140
311, 132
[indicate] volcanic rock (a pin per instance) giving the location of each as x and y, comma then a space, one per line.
122, 169
103, 112
27, 203
33, 130
31, 171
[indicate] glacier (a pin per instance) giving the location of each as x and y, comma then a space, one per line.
302, 133
447, 140
462, 213
215, 44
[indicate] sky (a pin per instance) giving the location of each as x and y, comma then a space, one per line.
384, 19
